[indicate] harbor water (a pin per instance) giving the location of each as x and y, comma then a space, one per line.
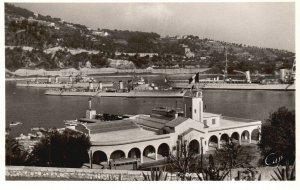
34, 109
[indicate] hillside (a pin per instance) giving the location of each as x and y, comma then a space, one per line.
37, 41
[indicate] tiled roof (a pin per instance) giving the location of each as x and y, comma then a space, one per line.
177, 121
111, 126
150, 122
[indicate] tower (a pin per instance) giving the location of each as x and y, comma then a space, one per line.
193, 106
90, 114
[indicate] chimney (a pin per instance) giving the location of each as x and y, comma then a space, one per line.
91, 85
121, 85
176, 115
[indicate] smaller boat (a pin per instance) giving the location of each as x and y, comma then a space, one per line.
14, 124
71, 122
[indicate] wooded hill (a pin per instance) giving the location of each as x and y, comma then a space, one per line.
37, 41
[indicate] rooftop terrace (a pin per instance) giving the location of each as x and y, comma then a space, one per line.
233, 122
109, 126
124, 137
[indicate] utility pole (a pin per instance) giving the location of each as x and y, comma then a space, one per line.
91, 159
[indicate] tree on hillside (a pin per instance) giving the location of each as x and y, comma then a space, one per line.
61, 149
278, 134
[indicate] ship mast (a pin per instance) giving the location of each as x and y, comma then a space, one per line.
226, 64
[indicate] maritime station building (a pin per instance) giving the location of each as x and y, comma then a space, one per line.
152, 137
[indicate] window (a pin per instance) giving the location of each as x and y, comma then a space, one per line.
195, 110
213, 121
205, 122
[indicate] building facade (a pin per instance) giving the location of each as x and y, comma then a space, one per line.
150, 137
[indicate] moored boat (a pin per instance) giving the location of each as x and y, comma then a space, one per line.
14, 124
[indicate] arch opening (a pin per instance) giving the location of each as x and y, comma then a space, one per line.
163, 150
99, 157
213, 141
194, 146
235, 137
255, 135
134, 153
117, 154
149, 152
245, 136
224, 138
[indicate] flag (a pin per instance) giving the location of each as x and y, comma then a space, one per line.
194, 79
197, 78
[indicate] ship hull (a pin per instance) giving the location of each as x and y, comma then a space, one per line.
131, 94
234, 86
62, 85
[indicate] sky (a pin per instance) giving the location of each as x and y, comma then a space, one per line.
269, 25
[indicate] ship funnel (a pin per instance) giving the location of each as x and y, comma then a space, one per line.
282, 75
90, 103
248, 79
91, 86
121, 85
100, 85
176, 115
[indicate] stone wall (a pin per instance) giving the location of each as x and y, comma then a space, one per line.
47, 173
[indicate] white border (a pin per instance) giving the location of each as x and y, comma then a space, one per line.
136, 185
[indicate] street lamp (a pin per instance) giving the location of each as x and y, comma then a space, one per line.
201, 138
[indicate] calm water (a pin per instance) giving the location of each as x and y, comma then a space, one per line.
34, 109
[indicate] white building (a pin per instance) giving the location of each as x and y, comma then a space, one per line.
100, 33
149, 138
